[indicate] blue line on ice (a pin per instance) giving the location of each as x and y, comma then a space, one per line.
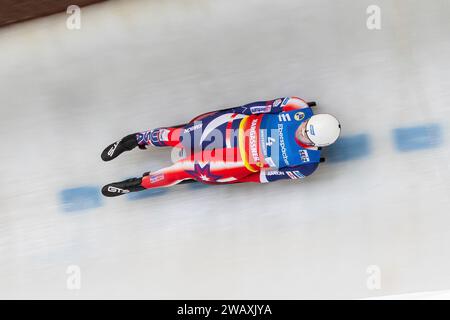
416, 138
349, 148
80, 198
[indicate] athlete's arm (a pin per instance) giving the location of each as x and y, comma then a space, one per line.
294, 103
270, 106
292, 173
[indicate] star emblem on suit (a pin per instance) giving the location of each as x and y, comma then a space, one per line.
203, 173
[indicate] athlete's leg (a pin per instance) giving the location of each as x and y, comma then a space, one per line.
159, 137
165, 177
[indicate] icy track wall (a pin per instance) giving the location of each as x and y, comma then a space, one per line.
379, 207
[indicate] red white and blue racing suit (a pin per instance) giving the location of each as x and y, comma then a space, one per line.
255, 142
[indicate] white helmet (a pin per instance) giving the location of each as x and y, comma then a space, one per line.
323, 129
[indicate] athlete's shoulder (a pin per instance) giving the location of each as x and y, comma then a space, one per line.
293, 103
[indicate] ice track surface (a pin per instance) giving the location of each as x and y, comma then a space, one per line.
381, 199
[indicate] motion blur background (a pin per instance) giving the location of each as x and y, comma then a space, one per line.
373, 220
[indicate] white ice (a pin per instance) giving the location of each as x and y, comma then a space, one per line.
135, 65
